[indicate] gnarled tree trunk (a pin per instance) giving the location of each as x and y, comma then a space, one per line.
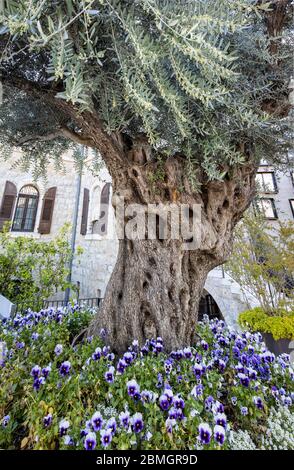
154, 291
156, 285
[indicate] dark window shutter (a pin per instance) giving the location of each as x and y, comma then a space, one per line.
275, 183
85, 211
8, 201
47, 211
274, 209
104, 203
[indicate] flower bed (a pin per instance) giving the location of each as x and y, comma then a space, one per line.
225, 392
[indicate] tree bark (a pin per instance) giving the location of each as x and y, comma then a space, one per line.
154, 291
156, 285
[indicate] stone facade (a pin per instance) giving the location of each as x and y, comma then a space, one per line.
282, 194
279, 194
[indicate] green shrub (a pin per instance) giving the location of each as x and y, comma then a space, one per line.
33, 270
280, 326
262, 261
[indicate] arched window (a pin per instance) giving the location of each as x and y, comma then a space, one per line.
26, 209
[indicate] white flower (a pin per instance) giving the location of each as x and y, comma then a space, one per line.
58, 349
67, 440
280, 428
240, 440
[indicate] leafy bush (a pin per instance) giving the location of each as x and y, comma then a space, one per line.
262, 261
212, 395
279, 326
32, 270
241, 440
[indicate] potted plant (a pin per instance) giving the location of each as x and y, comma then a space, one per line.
277, 331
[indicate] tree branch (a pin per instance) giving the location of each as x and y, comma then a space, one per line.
40, 138
92, 132
275, 20
63, 131
76, 137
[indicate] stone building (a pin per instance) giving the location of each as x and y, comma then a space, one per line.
39, 209
276, 192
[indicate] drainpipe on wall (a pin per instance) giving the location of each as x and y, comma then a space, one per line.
74, 223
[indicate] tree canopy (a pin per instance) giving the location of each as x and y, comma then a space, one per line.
202, 79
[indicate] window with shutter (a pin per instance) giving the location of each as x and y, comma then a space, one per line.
84, 221
8, 201
47, 211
